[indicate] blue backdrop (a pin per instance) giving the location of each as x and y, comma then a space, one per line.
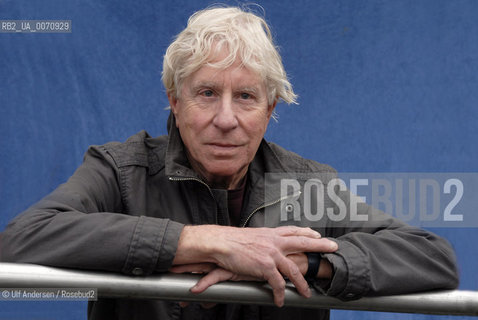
384, 86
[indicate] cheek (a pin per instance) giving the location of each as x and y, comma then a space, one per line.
194, 128
255, 130
258, 124
185, 119
183, 112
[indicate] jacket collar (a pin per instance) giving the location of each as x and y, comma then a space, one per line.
176, 161
264, 185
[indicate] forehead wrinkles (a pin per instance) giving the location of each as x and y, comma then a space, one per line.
237, 75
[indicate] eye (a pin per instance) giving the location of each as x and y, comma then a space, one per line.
245, 96
207, 93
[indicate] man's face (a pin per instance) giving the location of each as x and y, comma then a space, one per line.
222, 116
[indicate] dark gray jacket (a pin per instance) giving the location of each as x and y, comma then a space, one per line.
125, 206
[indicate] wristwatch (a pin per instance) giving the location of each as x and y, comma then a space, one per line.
313, 259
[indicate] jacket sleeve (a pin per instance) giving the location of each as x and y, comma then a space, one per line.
384, 256
81, 225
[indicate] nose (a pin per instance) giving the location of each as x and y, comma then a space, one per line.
225, 118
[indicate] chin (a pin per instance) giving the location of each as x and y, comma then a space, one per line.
224, 170
222, 173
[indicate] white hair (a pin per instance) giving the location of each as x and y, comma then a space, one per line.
246, 36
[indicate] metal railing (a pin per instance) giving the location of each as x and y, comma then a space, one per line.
176, 287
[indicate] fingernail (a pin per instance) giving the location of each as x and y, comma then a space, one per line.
308, 293
334, 246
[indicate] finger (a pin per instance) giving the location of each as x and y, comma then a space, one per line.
193, 268
297, 231
304, 244
300, 260
289, 269
213, 277
277, 282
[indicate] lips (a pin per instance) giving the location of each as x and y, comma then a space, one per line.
223, 145
223, 148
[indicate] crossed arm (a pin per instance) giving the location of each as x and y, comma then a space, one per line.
270, 254
383, 256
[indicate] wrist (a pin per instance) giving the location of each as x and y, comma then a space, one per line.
325, 270
313, 265
194, 245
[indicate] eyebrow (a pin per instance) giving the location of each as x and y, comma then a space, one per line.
249, 90
204, 84
214, 85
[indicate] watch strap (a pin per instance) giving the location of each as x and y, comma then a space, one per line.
313, 259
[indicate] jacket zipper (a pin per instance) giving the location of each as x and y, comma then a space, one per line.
253, 211
267, 205
201, 182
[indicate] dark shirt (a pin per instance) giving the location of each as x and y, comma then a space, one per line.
234, 203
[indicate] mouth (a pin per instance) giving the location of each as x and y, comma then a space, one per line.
223, 148
223, 145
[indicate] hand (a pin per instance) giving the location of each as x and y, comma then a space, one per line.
259, 253
214, 275
196, 268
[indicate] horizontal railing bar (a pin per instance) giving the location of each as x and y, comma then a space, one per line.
176, 287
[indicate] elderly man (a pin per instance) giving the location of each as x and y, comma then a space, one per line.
196, 199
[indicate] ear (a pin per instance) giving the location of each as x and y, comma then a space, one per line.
270, 109
173, 104
173, 101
